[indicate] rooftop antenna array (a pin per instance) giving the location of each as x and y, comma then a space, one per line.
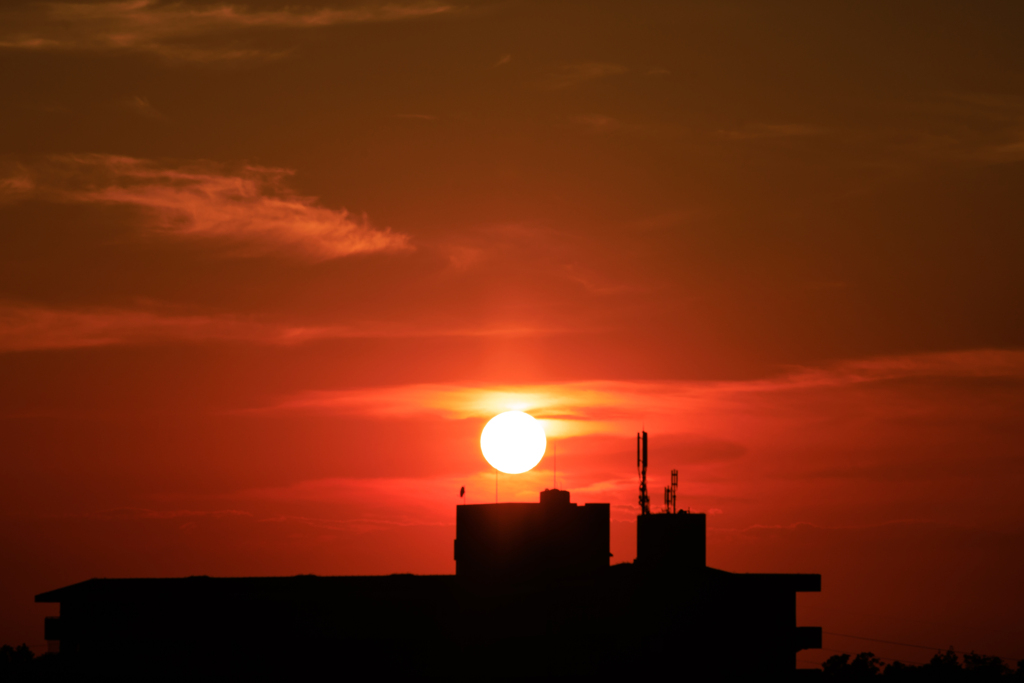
670, 494
641, 466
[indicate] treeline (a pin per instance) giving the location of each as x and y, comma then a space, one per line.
942, 667
21, 664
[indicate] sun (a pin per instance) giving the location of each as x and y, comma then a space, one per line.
513, 442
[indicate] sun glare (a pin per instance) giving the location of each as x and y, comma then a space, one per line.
513, 442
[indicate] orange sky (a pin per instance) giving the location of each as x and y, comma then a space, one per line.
266, 270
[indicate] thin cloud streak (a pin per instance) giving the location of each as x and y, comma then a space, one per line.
597, 123
143, 107
252, 210
575, 409
763, 131
146, 513
571, 75
35, 328
171, 29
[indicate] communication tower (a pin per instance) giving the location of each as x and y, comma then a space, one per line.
670, 494
641, 466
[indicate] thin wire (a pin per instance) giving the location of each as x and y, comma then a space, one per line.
890, 659
892, 642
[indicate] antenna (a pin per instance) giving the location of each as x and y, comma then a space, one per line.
554, 474
672, 490
641, 466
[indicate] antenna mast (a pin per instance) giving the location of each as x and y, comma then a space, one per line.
670, 494
641, 466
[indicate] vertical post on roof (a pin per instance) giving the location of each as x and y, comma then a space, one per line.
641, 465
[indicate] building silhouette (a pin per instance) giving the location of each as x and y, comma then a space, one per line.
533, 596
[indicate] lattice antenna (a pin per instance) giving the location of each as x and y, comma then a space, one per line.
672, 490
641, 466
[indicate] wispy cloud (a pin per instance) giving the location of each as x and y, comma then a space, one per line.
571, 75
833, 433
179, 30
32, 328
146, 513
462, 257
597, 123
762, 131
143, 107
958, 127
615, 407
594, 282
251, 211
25, 328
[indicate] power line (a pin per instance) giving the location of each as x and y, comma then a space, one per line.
923, 647
884, 659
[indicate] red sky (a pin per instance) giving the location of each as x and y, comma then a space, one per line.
266, 270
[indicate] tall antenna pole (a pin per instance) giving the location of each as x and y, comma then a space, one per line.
641, 465
554, 457
495, 484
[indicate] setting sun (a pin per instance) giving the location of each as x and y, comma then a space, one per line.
513, 442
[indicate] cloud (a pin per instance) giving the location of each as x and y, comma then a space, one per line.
597, 123
462, 257
251, 211
987, 127
879, 439
889, 437
145, 513
959, 127
143, 107
594, 282
179, 30
367, 503
24, 328
575, 409
571, 75
767, 131
36, 328
1006, 152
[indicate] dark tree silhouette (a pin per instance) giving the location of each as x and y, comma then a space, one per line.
840, 668
944, 666
19, 665
983, 668
15, 662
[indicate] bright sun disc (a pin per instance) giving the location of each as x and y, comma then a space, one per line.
513, 442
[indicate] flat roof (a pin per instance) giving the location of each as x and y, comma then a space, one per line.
201, 586
312, 586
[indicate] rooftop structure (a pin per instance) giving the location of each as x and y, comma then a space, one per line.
533, 596
522, 542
